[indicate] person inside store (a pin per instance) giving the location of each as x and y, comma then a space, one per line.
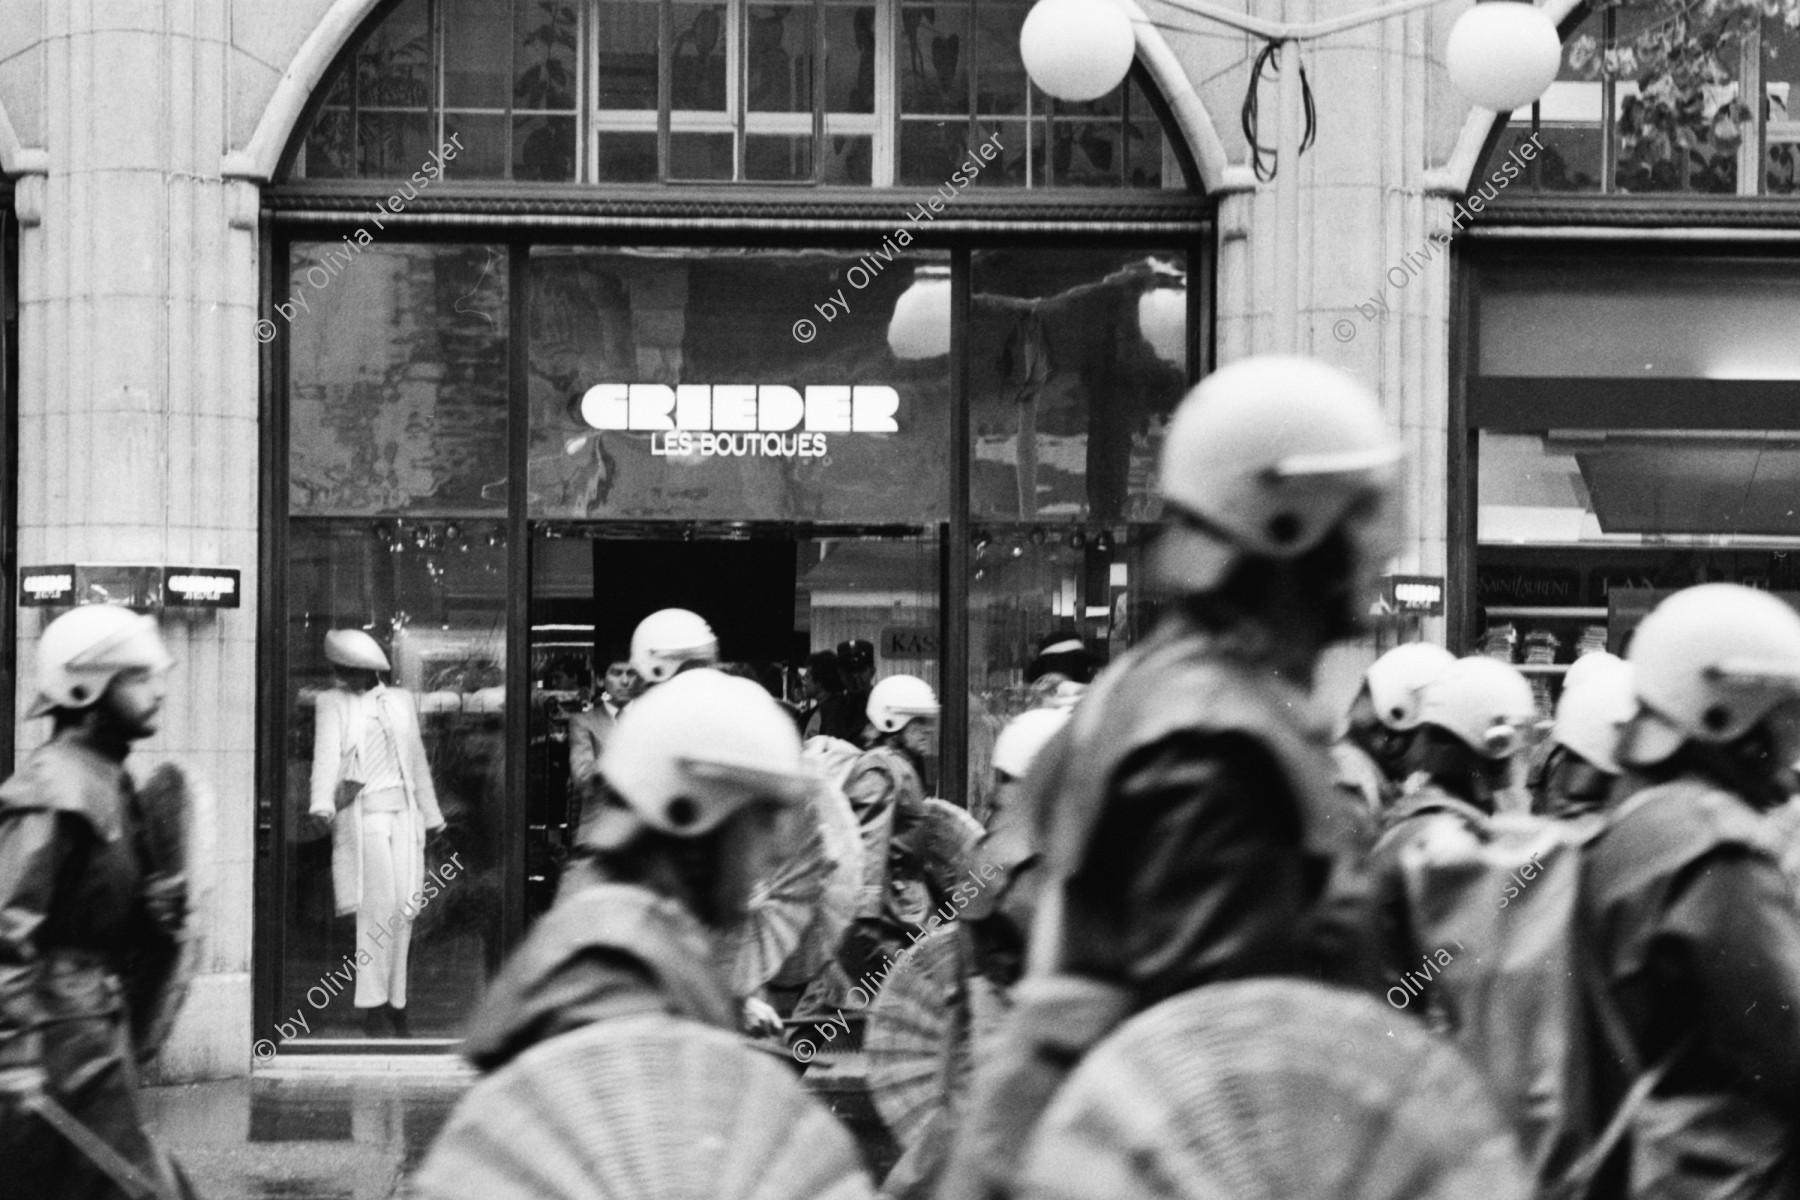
591, 726
1190, 829
1383, 722
695, 786
827, 711
856, 666
372, 787
77, 902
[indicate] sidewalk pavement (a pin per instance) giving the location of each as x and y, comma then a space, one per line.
354, 1127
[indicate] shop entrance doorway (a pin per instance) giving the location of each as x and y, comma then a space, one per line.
774, 594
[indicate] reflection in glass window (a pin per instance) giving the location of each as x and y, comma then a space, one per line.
1077, 358
374, 912
397, 379
1073, 589
1723, 129
687, 324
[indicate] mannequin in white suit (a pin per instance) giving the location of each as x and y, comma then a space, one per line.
367, 734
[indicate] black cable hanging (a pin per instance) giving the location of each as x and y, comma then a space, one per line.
1264, 173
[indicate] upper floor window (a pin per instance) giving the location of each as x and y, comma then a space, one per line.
849, 92
1669, 97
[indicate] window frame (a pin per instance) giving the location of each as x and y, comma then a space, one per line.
883, 126
1196, 236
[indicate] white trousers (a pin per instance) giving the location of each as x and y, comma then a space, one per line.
381, 927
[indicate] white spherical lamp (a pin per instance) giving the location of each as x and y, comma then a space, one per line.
1503, 54
920, 327
1077, 49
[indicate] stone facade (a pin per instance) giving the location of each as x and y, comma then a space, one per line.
140, 132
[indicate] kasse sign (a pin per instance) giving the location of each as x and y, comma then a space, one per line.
740, 418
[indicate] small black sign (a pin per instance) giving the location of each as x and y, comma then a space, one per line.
1416, 595
201, 587
41, 586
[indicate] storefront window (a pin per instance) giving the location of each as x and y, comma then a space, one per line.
1634, 432
432, 595
726, 385
397, 369
397, 450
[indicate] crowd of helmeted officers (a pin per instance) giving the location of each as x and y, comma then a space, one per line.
1202, 947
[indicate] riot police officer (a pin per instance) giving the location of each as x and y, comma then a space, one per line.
1191, 828
76, 903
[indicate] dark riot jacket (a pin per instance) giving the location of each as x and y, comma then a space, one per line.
1698, 935
605, 950
71, 892
1191, 832
1197, 833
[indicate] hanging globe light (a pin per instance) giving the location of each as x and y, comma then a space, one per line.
1503, 54
1077, 49
921, 324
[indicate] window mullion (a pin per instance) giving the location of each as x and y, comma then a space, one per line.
820, 50
1609, 124
587, 90
665, 84
884, 148
737, 66
512, 74
1751, 152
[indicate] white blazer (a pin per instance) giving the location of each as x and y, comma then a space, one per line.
341, 721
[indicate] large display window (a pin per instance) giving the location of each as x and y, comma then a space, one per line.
396, 501
946, 463
1632, 429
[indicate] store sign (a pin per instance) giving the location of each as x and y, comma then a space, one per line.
39, 586
738, 419
201, 587
909, 641
1415, 595
133, 585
